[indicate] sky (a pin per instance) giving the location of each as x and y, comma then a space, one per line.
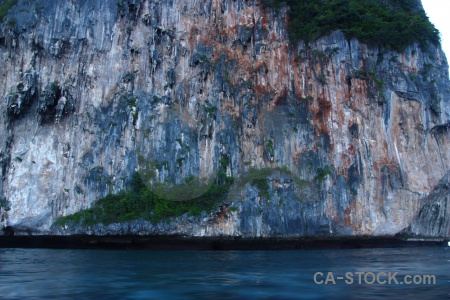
438, 11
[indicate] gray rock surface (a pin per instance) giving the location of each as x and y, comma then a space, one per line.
169, 88
433, 218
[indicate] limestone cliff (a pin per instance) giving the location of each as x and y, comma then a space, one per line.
356, 137
433, 218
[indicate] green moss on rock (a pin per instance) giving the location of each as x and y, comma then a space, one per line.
140, 202
393, 24
5, 7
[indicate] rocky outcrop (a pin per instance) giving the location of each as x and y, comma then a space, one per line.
19, 100
433, 219
355, 136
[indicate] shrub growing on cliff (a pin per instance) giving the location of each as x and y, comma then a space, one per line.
322, 173
5, 7
4, 204
393, 24
141, 203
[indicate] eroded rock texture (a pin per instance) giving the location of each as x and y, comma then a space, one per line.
96, 90
433, 218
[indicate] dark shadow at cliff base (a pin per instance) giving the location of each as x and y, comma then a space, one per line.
197, 243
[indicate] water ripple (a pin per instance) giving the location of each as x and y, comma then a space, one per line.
99, 274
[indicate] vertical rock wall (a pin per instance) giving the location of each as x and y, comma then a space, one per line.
96, 90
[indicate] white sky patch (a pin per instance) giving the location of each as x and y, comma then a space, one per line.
439, 13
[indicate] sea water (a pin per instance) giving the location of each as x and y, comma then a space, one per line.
300, 274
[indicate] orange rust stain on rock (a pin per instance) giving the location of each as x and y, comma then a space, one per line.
351, 150
336, 219
351, 208
322, 114
341, 116
193, 33
111, 91
346, 161
264, 19
276, 184
376, 167
273, 37
347, 215
230, 30
228, 106
296, 158
258, 65
223, 213
348, 93
261, 90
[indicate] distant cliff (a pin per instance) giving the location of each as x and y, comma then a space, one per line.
433, 218
212, 100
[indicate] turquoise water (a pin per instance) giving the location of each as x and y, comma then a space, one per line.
107, 274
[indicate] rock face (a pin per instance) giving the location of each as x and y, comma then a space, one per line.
433, 218
356, 136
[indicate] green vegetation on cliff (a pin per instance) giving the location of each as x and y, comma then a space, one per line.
393, 24
4, 204
5, 6
140, 202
